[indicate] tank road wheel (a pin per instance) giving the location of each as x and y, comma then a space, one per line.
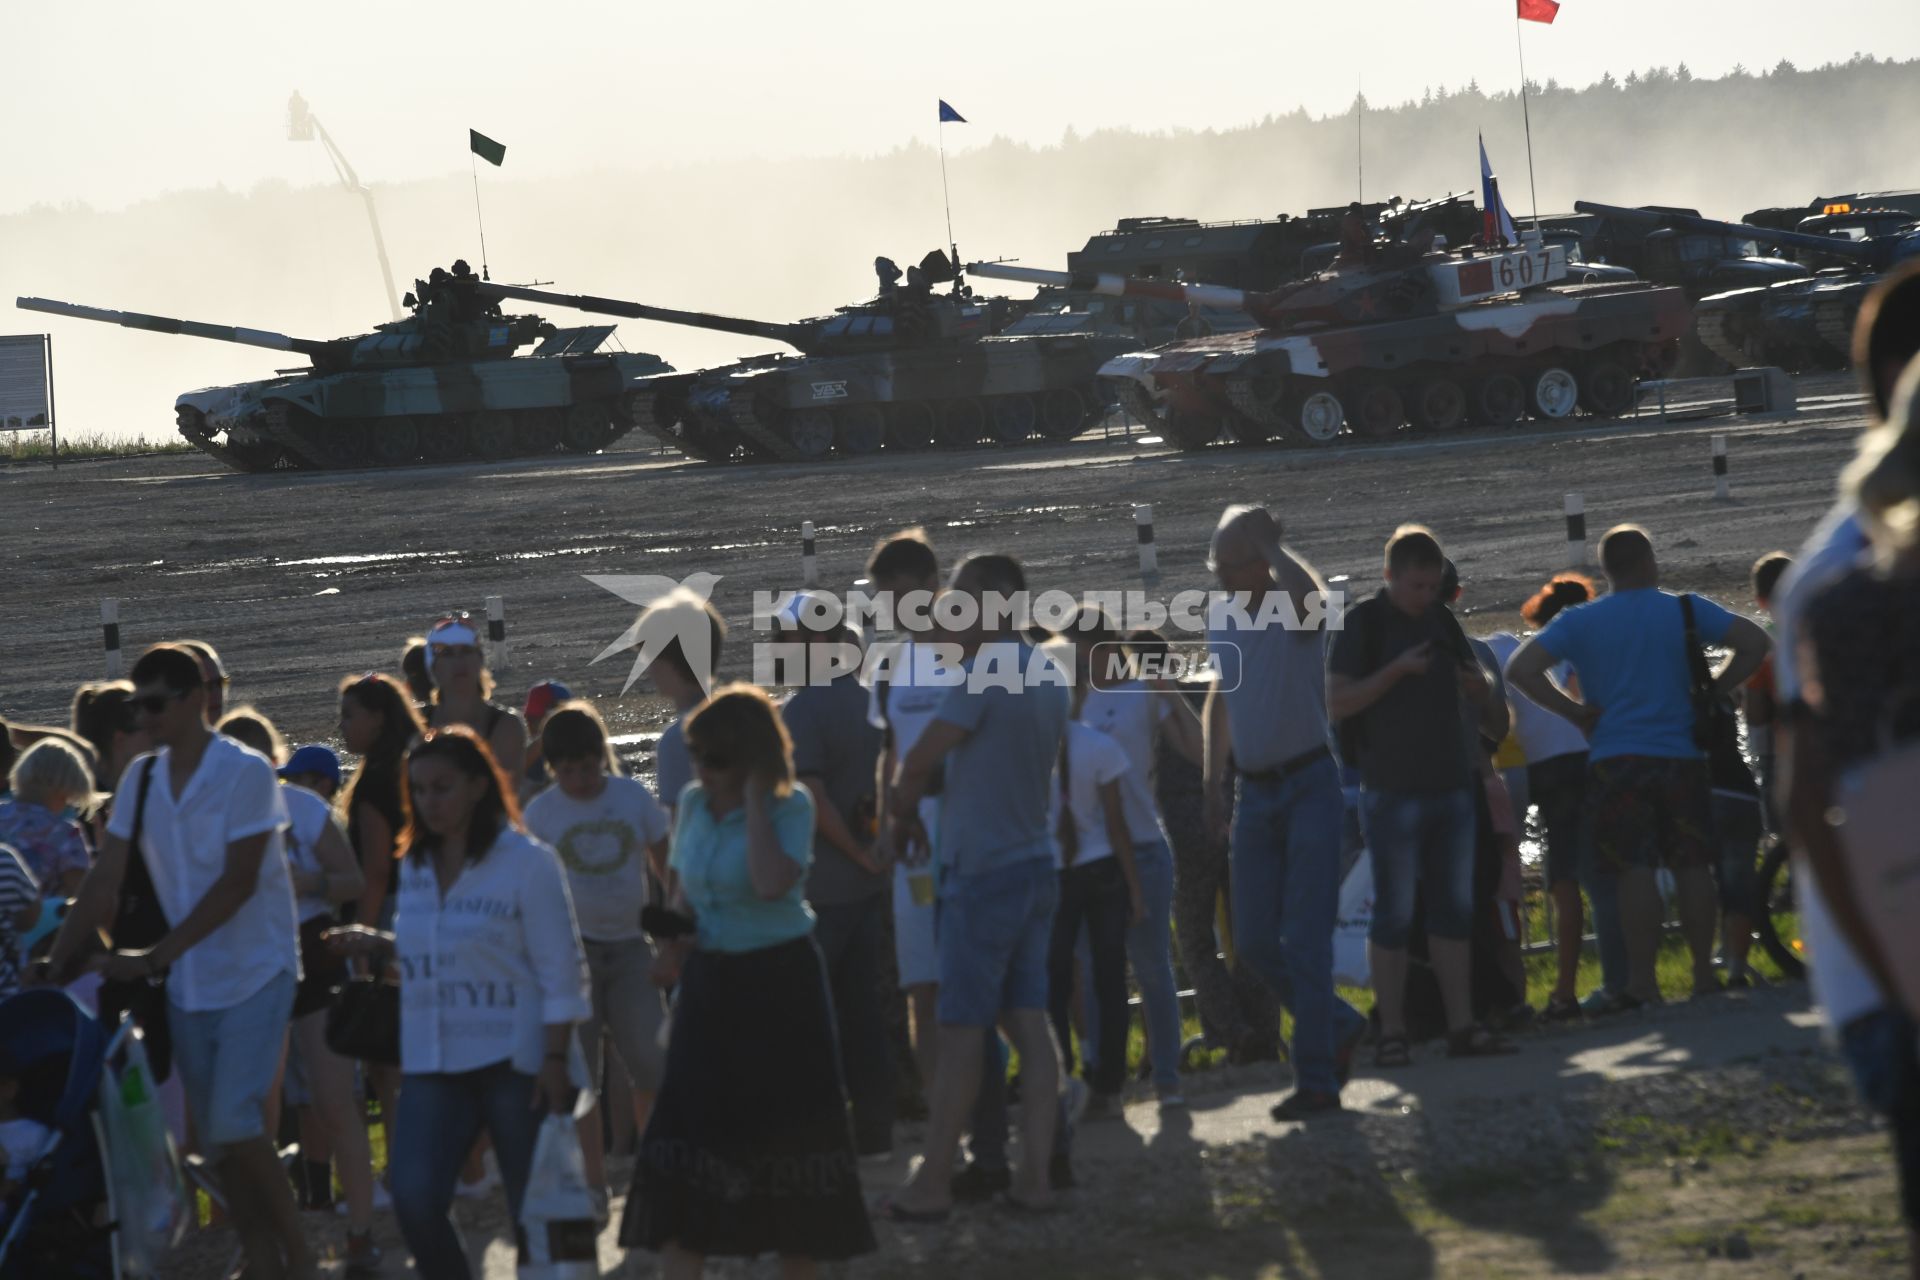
1499, 400
862, 428
1552, 393
1062, 413
1378, 410
1319, 414
1606, 388
961, 423
1438, 404
1014, 418
811, 431
910, 425
1191, 430
587, 428
343, 441
396, 441
442, 438
534, 431
490, 433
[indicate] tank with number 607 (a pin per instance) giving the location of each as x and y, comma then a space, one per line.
1394, 335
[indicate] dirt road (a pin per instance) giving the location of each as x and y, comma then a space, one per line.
300, 579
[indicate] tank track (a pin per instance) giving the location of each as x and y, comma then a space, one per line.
1833, 321
763, 437
202, 439
1262, 414
1137, 403
1714, 336
281, 426
641, 413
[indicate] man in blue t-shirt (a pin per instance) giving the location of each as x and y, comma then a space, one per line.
1649, 795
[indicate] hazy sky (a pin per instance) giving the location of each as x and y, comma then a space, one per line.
111, 102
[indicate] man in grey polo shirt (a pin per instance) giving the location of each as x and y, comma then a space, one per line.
1268, 637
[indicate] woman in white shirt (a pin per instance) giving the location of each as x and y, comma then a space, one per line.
492, 981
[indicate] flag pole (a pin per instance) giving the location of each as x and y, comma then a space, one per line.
1360, 140
946, 200
475, 165
1526, 116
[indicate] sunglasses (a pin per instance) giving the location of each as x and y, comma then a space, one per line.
154, 703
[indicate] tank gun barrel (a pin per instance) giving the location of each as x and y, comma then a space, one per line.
1834, 246
772, 331
1205, 295
168, 324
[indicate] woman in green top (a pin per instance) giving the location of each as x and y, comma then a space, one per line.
748, 1150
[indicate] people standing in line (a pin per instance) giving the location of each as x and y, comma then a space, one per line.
681, 612
209, 817
1648, 801
836, 755
463, 689
1402, 681
611, 835
46, 779
1273, 789
1139, 712
1556, 756
749, 1150
325, 876
997, 735
492, 983
903, 698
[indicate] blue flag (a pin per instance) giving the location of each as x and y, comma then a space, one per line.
948, 115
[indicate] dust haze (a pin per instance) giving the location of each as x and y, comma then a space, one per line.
797, 237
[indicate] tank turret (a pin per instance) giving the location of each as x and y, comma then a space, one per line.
1877, 253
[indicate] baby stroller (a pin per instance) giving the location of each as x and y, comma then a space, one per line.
67, 1218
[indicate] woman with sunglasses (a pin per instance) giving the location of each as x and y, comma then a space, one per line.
492, 981
462, 687
748, 1150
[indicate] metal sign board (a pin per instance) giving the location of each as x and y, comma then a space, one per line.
23, 383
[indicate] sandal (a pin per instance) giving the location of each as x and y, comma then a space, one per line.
1476, 1041
1392, 1051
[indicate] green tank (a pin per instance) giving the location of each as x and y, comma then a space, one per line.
446, 383
908, 370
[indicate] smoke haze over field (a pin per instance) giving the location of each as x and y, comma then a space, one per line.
795, 236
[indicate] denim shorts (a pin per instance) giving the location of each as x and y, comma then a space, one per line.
993, 932
227, 1059
1420, 839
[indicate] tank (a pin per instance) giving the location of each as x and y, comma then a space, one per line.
443, 384
909, 369
1804, 324
1392, 333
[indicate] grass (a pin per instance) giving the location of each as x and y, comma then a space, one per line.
88, 446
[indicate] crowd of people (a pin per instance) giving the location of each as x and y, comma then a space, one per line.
1004, 861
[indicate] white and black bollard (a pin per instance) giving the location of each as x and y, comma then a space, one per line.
1720, 490
1576, 508
809, 566
110, 635
496, 634
1143, 532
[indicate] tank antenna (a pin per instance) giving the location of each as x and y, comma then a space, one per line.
1360, 141
948, 113
1526, 116
495, 154
479, 219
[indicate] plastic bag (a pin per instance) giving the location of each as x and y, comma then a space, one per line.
557, 1233
1351, 967
143, 1171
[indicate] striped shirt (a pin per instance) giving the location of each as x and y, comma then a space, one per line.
18, 892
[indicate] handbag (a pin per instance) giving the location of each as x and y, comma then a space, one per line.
364, 1021
1715, 731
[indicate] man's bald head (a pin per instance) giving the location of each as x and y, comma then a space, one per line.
1241, 542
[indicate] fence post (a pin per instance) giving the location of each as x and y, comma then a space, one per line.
110, 635
496, 634
809, 566
1576, 509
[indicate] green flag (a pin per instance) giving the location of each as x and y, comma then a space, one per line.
486, 148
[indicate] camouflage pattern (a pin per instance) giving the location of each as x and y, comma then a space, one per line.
910, 370
444, 384
1405, 333
1800, 325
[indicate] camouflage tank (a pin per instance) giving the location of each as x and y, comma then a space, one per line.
1806, 324
906, 371
1392, 332
443, 384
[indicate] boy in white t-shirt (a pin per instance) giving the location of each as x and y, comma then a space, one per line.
611, 835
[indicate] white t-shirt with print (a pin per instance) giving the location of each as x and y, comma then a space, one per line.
603, 844
1093, 760
1131, 714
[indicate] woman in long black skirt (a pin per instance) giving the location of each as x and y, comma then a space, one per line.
749, 1150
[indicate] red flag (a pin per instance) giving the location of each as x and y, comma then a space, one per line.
1539, 10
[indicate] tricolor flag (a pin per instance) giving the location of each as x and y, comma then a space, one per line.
486, 148
1539, 10
948, 115
1497, 222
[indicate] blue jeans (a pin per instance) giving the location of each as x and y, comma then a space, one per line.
1610, 939
1420, 838
1150, 952
436, 1121
1093, 897
1285, 859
